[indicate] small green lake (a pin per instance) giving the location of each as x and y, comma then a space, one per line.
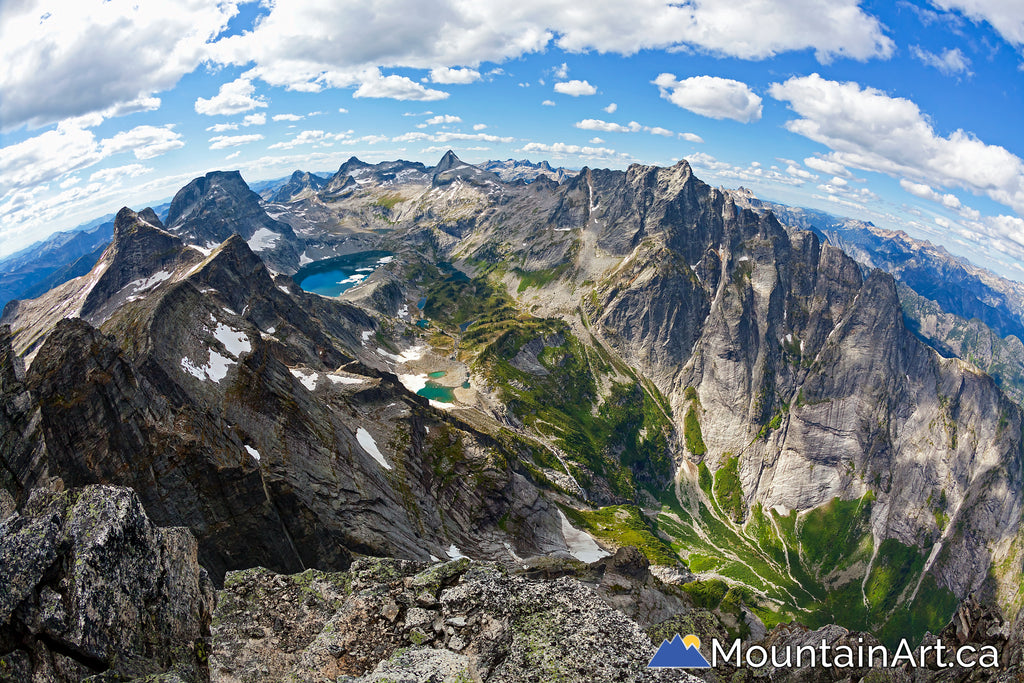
436, 392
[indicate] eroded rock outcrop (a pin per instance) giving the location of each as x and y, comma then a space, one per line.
88, 585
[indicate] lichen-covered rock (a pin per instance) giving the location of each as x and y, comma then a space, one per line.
88, 585
389, 620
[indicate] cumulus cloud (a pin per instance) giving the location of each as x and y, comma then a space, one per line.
286, 117
631, 127
72, 58
442, 118
311, 45
717, 98
397, 88
950, 62
68, 148
116, 173
145, 142
575, 88
232, 98
479, 126
224, 141
450, 76
827, 165
548, 103
691, 137
867, 129
562, 149
1004, 16
608, 127
751, 174
311, 137
610, 109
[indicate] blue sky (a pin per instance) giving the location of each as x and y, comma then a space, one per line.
905, 114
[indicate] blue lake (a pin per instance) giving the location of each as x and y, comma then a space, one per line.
331, 277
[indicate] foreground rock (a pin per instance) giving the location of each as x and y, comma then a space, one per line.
88, 585
393, 620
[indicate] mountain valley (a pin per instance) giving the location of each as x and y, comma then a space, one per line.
717, 412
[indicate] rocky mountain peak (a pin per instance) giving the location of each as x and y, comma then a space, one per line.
301, 184
149, 215
448, 162
139, 251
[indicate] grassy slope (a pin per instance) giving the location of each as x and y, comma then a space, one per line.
818, 567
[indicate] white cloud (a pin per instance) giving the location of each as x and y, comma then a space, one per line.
449, 76
548, 103
950, 62
608, 127
596, 141
631, 127
233, 155
561, 71
691, 137
287, 117
560, 148
221, 127
50, 155
342, 110
611, 108
145, 142
224, 141
826, 165
1005, 16
870, 130
232, 98
479, 126
318, 138
254, 119
72, 58
442, 118
113, 175
322, 43
797, 172
948, 200
397, 88
754, 173
575, 88
717, 98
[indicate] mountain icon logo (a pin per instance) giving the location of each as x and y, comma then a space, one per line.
679, 653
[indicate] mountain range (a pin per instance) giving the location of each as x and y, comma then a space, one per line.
789, 416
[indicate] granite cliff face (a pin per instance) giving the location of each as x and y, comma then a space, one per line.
624, 358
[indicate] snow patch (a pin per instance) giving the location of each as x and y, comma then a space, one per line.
454, 553
271, 329
413, 382
407, 356
235, 341
386, 259
150, 282
253, 452
303, 259
370, 446
263, 239
581, 545
345, 379
308, 381
215, 369
284, 289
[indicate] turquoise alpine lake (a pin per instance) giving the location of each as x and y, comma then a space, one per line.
330, 277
